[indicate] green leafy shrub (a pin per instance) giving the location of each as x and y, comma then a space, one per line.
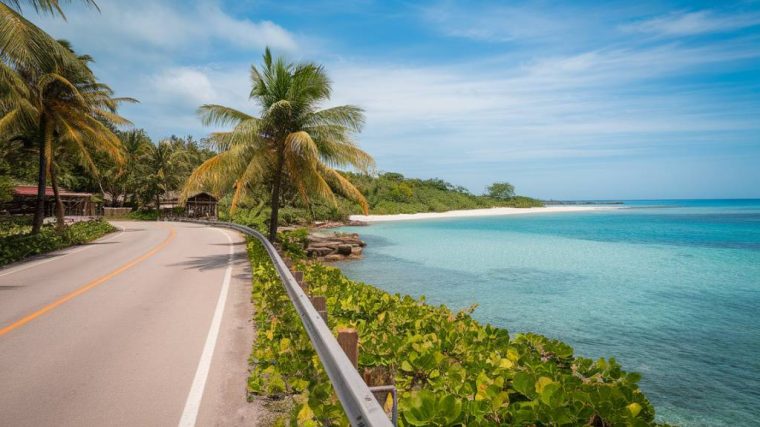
256, 217
143, 215
14, 247
12, 225
294, 242
449, 368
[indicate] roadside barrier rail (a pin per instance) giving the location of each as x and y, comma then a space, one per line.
360, 405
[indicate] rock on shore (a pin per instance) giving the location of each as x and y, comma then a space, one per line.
330, 247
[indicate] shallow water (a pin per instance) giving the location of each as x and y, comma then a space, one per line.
671, 289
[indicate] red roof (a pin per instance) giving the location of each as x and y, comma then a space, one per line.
31, 191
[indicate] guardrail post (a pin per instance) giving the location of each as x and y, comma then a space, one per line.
320, 303
348, 339
298, 275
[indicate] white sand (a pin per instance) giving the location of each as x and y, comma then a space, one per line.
477, 212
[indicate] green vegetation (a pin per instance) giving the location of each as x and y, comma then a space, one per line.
392, 193
387, 193
51, 99
449, 368
292, 144
16, 243
501, 190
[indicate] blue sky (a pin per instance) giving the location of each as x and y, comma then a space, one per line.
565, 100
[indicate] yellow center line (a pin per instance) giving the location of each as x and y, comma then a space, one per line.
99, 281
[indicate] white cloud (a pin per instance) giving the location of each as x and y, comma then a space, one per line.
245, 33
186, 84
172, 56
552, 108
175, 28
499, 23
692, 23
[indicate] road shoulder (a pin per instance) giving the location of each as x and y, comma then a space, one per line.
225, 397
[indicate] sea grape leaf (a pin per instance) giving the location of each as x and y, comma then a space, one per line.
523, 383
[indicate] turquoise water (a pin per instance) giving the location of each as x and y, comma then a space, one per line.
669, 288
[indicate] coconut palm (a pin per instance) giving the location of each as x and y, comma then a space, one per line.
24, 46
292, 142
61, 107
122, 182
167, 164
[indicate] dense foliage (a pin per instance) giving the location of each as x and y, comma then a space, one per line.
501, 190
387, 193
392, 193
16, 243
148, 169
449, 368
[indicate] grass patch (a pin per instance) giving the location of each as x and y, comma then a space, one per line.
16, 243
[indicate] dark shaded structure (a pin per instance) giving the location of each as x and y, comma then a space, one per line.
201, 205
25, 201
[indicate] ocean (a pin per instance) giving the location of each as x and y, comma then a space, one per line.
670, 288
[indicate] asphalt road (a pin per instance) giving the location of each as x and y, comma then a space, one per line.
148, 326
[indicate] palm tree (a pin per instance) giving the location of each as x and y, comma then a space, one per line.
167, 165
24, 46
63, 104
122, 181
292, 142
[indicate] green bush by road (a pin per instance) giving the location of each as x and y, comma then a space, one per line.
17, 244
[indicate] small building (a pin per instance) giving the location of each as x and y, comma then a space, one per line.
25, 202
201, 205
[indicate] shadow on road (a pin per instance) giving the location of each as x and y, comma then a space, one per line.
211, 262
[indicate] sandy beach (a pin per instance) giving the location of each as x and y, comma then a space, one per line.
476, 212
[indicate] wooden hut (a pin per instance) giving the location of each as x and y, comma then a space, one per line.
201, 205
25, 202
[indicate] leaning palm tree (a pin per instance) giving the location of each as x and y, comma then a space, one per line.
24, 46
63, 105
291, 142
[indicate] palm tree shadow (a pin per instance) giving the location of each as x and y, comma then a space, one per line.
212, 262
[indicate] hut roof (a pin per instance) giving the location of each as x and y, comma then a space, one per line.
202, 196
31, 191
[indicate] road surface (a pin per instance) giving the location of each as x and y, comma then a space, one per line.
149, 326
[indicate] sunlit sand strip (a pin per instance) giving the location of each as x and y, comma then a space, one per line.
477, 212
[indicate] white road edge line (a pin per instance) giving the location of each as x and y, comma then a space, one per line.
31, 264
193, 403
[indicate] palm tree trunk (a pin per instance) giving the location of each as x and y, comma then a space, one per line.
39, 213
59, 214
275, 203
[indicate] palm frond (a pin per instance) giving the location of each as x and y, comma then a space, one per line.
213, 114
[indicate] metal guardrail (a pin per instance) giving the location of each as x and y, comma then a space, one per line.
360, 405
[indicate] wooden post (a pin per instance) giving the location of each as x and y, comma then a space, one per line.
304, 286
320, 303
348, 339
298, 275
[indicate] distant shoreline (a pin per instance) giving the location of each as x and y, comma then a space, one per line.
476, 213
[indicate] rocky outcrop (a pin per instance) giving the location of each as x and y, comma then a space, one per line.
330, 247
334, 224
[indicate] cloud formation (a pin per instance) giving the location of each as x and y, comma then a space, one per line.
470, 92
692, 23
